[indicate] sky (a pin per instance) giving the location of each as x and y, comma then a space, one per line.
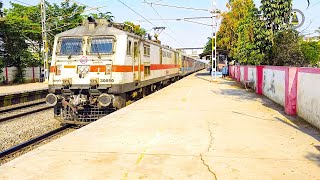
179, 34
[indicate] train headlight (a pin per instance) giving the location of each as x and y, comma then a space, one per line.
51, 99
108, 69
104, 100
83, 69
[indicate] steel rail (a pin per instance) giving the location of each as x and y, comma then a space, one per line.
22, 106
33, 141
24, 113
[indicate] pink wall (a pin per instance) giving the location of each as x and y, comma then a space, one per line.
287, 84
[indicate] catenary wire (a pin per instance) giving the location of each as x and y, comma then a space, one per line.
146, 20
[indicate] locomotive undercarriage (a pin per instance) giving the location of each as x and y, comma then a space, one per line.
83, 106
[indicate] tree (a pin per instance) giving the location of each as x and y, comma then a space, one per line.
21, 31
240, 32
21, 36
62, 17
286, 50
311, 52
107, 15
130, 26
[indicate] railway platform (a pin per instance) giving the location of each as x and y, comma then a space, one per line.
21, 88
15, 94
192, 129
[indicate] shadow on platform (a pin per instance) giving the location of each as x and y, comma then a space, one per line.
243, 94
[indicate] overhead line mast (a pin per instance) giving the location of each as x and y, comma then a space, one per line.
44, 40
214, 40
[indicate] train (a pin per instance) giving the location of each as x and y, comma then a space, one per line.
98, 67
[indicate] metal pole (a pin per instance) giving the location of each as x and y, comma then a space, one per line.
44, 40
214, 37
1, 5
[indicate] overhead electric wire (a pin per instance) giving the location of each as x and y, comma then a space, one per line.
180, 7
313, 5
162, 19
23, 3
198, 23
146, 20
86, 5
177, 19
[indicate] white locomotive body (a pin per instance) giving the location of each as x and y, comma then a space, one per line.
96, 68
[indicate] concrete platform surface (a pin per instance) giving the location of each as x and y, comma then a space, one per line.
20, 88
193, 129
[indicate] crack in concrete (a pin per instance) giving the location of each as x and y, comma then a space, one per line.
208, 167
208, 149
211, 137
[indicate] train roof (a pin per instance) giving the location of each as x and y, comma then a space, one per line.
97, 30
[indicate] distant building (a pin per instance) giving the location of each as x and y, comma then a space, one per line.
193, 52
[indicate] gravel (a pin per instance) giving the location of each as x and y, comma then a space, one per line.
34, 146
23, 110
21, 129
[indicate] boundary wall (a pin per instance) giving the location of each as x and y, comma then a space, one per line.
31, 74
297, 89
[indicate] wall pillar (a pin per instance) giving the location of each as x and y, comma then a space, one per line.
7, 76
246, 71
291, 89
33, 80
238, 73
259, 88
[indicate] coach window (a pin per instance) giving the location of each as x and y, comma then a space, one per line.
147, 70
129, 45
146, 50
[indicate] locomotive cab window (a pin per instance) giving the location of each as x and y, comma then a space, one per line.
101, 45
70, 46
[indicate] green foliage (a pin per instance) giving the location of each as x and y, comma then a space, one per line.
311, 52
208, 47
22, 34
107, 15
62, 17
276, 13
135, 28
266, 37
286, 50
241, 33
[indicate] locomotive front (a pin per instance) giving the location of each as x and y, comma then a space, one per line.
81, 74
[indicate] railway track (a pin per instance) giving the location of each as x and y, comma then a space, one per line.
23, 110
33, 141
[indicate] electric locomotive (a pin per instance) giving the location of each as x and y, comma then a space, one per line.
98, 66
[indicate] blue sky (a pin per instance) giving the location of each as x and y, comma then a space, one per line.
179, 33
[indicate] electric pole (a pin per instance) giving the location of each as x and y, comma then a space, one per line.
44, 40
214, 40
1, 12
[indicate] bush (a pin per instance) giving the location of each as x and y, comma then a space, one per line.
311, 52
286, 50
